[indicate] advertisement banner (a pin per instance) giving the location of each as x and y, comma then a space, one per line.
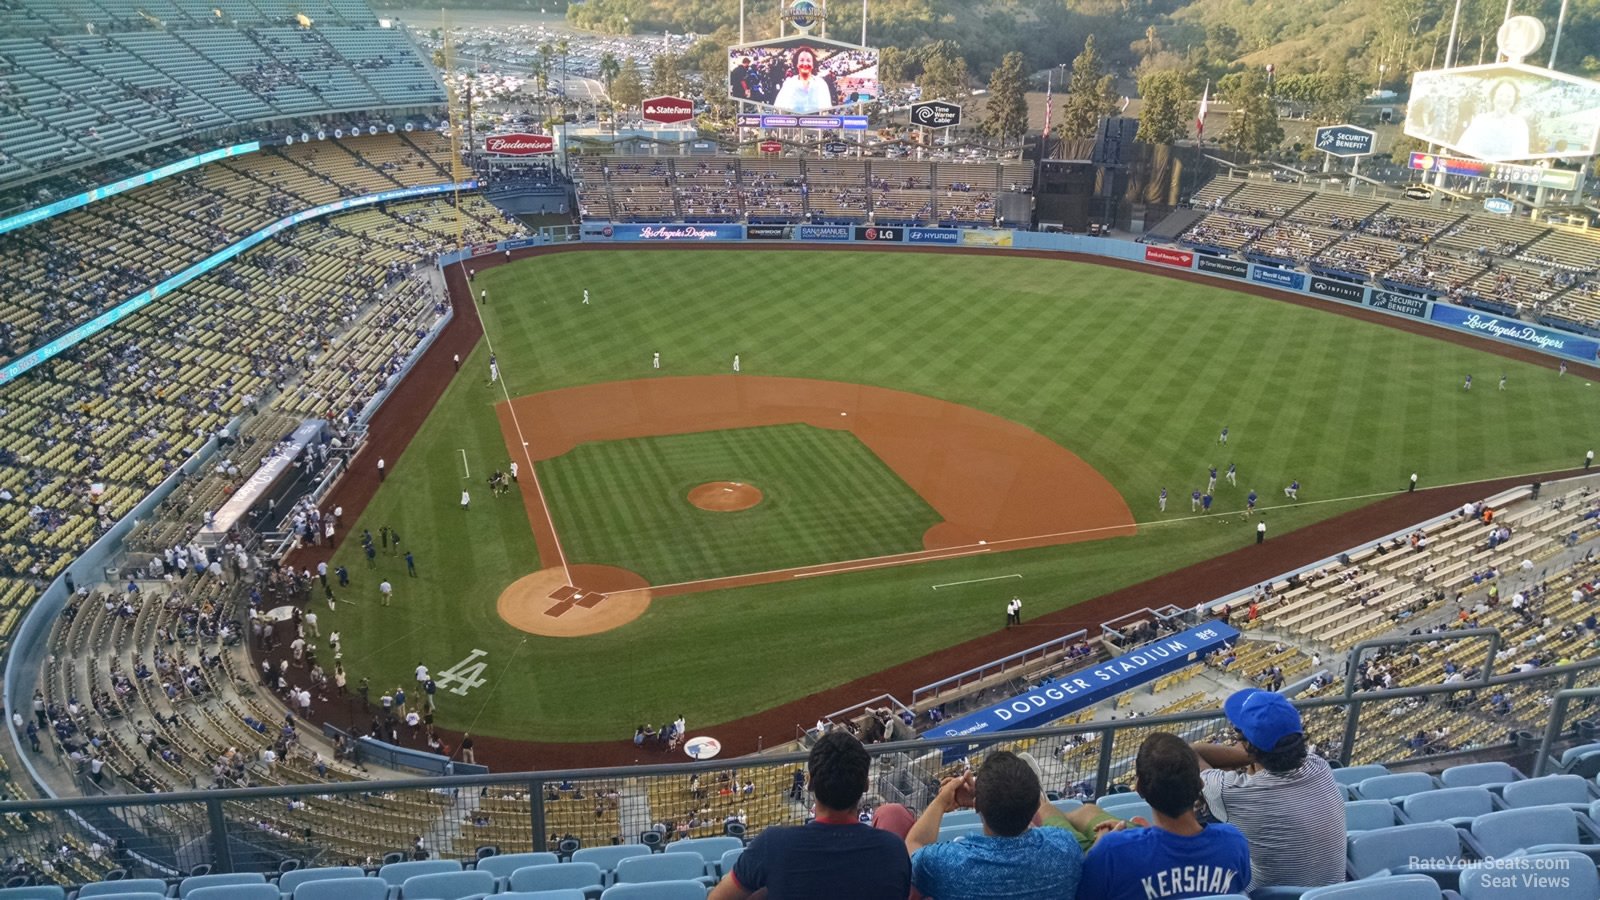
1294, 281
1169, 257
1503, 112
803, 75
684, 233
879, 233
1221, 265
979, 237
1513, 331
667, 110
933, 236
769, 232
1338, 290
1404, 304
823, 232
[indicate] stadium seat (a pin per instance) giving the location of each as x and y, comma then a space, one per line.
585, 876
710, 850
1567, 790
502, 866
1392, 887
1394, 787
288, 881
1531, 829
662, 867
138, 895
1372, 852
1484, 774
125, 886
607, 858
1065, 806
956, 833
1350, 776
447, 886
725, 864
342, 889
236, 892
658, 890
395, 874
1457, 805
563, 894
34, 892
1555, 876
959, 817
1365, 815
1573, 754
198, 882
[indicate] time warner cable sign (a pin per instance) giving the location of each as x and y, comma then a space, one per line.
1074, 691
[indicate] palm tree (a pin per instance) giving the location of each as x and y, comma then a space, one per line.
609, 67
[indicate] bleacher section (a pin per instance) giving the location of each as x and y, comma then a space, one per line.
664, 189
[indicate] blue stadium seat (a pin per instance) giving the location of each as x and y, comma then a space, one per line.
1064, 806
956, 833
658, 890
288, 881
1457, 805
563, 894
395, 874
236, 892
34, 892
662, 867
959, 817
124, 886
710, 850
1567, 790
1486, 774
607, 858
1392, 887
585, 876
1354, 775
1365, 815
1550, 876
196, 882
1531, 829
1372, 852
447, 886
503, 865
342, 889
1111, 802
725, 864
1393, 787
137, 895
1573, 754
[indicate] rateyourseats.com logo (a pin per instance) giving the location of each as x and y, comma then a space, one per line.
1526, 873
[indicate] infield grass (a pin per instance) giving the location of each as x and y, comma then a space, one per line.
1135, 373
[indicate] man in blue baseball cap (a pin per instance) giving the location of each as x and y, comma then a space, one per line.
1273, 789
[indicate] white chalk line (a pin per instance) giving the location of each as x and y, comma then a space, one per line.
976, 580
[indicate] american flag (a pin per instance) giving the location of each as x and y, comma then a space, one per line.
1205, 103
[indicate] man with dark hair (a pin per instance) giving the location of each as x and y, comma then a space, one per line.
834, 856
1179, 857
1011, 859
1291, 810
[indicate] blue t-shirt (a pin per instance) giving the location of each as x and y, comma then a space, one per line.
821, 860
1039, 864
1143, 863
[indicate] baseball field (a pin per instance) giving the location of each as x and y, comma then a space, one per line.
911, 440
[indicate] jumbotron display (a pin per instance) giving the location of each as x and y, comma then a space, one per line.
1505, 111
803, 75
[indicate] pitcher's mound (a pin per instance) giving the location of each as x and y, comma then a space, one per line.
725, 496
599, 598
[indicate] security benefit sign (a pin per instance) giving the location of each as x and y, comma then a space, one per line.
1345, 140
1074, 691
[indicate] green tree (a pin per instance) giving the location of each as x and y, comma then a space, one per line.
666, 76
944, 74
1168, 106
895, 65
1005, 114
609, 67
1252, 118
627, 91
1088, 97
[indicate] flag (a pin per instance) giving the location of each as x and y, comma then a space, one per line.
1205, 103
1049, 105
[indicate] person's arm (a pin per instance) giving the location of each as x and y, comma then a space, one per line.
1221, 756
954, 793
729, 888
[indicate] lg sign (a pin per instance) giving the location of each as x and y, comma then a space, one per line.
519, 144
667, 110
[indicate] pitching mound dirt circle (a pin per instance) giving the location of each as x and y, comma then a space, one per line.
725, 496
598, 598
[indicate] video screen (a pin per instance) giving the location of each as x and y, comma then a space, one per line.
803, 75
1505, 112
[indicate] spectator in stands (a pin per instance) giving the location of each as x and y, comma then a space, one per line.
834, 855
1291, 809
1011, 858
1180, 856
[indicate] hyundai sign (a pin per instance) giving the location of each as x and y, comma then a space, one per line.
935, 114
1345, 140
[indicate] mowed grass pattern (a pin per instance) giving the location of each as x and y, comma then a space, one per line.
1135, 373
825, 498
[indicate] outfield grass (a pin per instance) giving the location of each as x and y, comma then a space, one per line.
1134, 373
825, 497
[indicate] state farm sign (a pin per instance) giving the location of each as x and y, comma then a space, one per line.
666, 110
519, 144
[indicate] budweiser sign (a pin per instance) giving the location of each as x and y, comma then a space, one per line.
519, 144
666, 110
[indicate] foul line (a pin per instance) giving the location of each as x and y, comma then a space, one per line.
976, 581
465, 467
950, 553
516, 423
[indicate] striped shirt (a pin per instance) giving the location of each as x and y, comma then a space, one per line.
1294, 822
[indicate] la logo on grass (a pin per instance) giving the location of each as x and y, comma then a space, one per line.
464, 675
